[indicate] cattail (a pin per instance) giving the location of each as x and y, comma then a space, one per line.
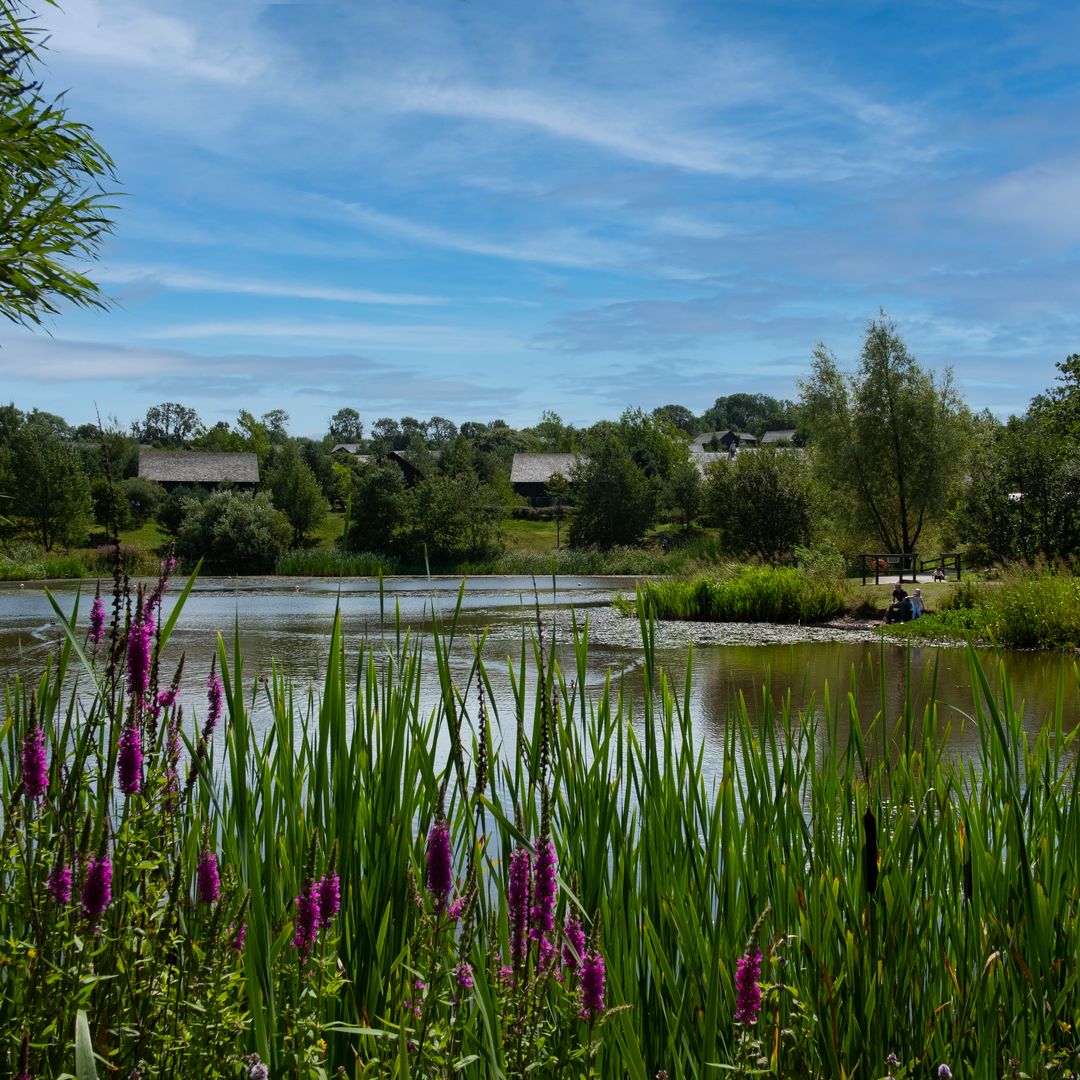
35, 767
97, 887
870, 851
129, 762
593, 978
481, 740
208, 881
517, 900
439, 869
574, 946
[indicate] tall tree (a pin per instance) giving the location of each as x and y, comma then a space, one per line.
346, 426
891, 435
296, 492
53, 492
54, 211
169, 424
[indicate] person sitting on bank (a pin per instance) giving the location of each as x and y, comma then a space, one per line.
939, 574
917, 608
895, 611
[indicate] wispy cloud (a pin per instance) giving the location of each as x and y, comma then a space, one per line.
189, 281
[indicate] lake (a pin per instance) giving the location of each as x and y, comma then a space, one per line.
288, 621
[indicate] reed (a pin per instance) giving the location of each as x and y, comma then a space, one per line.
903, 903
746, 594
320, 562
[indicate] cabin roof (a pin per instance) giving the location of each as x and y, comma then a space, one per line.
198, 467
539, 468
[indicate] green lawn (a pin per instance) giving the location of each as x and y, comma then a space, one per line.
531, 537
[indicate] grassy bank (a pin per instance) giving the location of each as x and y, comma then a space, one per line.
902, 904
1026, 609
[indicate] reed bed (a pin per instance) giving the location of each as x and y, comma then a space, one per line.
839, 899
320, 562
745, 594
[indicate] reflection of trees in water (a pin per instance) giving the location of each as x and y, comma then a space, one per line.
924, 676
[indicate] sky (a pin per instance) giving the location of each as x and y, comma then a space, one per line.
486, 209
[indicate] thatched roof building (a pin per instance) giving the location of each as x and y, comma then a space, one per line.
530, 473
173, 468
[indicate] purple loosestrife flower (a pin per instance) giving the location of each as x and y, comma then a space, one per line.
574, 947
238, 938
214, 692
35, 767
307, 921
208, 881
944, 1072
456, 907
139, 635
439, 872
545, 889
747, 992
463, 974
129, 761
97, 888
58, 883
593, 978
96, 632
329, 888
517, 900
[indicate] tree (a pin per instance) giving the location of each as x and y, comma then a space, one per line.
678, 416
684, 492
380, 507
441, 431
276, 422
53, 207
296, 493
765, 502
346, 426
615, 503
53, 492
385, 434
234, 532
755, 413
169, 424
891, 437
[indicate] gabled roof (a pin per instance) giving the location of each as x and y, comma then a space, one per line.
348, 447
198, 467
781, 435
707, 438
539, 468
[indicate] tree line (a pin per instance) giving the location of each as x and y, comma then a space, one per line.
891, 459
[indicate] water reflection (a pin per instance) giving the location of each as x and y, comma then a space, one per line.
288, 621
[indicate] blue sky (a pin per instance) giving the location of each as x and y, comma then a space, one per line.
487, 209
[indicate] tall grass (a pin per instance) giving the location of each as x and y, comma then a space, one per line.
320, 562
746, 594
909, 904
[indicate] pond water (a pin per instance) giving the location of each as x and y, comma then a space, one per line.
288, 621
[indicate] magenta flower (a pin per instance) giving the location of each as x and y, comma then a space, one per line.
517, 901
306, 922
463, 974
593, 979
747, 992
574, 947
96, 632
214, 693
208, 881
439, 871
457, 906
97, 887
166, 699
129, 761
329, 889
35, 768
238, 938
58, 883
545, 889
139, 636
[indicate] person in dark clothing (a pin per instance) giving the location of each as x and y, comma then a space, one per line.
896, 609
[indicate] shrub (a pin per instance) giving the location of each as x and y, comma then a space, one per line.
233, 532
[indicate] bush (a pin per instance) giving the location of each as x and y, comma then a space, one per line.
233, 532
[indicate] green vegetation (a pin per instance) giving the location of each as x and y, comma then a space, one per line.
746, 594
1027, 609
906, 907
319, 562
